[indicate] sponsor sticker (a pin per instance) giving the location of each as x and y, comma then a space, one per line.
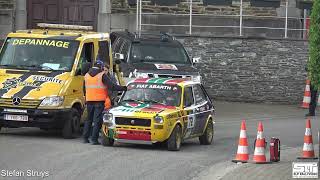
47, 79
154, 86
41, 42
304, 170
15, 82
166, 66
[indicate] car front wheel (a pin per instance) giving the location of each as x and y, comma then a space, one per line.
106, 141
207, 137
174, 141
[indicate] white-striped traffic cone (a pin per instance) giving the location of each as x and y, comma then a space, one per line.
308, 150
243, 151
259, 155
307, 95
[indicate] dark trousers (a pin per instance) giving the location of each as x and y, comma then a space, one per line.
95, 110
313, 101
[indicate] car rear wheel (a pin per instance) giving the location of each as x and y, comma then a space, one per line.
207, 136
174, 141
106, 141
71, 126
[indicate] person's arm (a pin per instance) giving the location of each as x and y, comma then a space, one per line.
111, 85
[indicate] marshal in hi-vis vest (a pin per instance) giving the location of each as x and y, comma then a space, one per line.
95, 89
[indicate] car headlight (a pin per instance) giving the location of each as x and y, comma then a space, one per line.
158, 119
108, 119
52, 101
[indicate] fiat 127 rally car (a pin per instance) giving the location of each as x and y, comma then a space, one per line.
160, 110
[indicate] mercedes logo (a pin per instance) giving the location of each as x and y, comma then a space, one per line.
132, 122
16, 101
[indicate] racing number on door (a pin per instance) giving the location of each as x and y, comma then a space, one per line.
190, 121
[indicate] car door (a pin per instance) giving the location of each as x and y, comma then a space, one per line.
202, 109
189, 111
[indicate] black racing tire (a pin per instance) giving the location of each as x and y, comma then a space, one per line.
71, 127
175, 139
106, 141
207, 137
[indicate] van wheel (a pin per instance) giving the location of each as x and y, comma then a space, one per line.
174, 141
207, 136
106, 141
71, 126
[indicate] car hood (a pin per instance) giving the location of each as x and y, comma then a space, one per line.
160, 68
31, 84
142, 110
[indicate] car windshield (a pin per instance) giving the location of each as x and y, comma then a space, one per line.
39, 54
158, 53
164, 94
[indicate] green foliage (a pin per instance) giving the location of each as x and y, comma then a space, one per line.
314, 45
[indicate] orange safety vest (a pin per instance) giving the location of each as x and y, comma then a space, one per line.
95, 89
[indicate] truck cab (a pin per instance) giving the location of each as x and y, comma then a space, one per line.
42, 75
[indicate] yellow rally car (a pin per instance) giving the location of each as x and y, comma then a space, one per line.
41, 75
157, 110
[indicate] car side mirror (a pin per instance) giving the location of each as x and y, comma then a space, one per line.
196, 60
118, 58
85, 68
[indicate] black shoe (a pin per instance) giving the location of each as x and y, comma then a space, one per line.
86, 141
310, 114
95, 143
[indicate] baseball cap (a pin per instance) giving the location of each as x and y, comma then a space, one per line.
99, 63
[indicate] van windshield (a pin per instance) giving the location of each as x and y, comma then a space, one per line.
38, 54
158, 53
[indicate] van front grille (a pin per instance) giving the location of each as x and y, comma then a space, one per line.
24, 103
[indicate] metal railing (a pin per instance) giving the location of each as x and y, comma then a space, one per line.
241, 16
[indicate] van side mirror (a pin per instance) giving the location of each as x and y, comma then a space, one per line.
196, 60
118, 58
85, 68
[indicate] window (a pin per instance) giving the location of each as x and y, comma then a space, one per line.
188, 97
86, 55
158, 53
124, 49
200, 97
103, 53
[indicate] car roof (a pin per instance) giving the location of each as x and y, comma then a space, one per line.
168, 81
148, 37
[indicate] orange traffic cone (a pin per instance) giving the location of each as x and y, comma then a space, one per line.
259, 155
243, 151
307, 95
308, 151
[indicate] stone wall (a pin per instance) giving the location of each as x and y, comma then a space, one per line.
251, 70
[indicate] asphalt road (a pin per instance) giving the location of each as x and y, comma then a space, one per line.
39, 151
